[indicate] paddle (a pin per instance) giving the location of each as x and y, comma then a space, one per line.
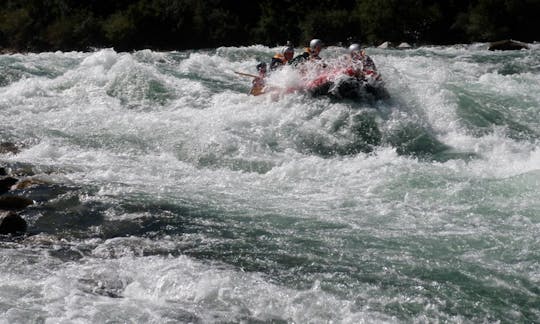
257, 87
247, 74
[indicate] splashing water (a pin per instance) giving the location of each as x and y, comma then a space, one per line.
177, 197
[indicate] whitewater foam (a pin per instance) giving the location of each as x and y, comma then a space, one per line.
185, 199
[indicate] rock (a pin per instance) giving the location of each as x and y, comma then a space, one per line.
7, 51
8, 147
385, 45
6, 183
404, 45
12, 223
27, 183
3, 172
14, 202
507, 45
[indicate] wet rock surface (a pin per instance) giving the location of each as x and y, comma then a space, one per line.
507, 45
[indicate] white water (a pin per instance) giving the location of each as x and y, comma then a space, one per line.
205, 204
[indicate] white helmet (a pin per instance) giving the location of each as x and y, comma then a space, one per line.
287, 49
355, 48
315, 43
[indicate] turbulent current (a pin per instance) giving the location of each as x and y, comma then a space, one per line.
167, 194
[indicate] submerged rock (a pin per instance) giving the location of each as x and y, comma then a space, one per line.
8, 147
14, 202
6, 183
28, 183
12, 223
507, 45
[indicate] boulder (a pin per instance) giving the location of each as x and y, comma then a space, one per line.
27, 183
14, 202
404, 45
6, 183
507, 45
12, 223
7, 51
8, 147
385, 45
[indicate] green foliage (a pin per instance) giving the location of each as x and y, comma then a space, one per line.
377, 17
486, 26
15, 25
228, 23
78, 30
182, 24
498, 19
277, 24
119, 29
332, 26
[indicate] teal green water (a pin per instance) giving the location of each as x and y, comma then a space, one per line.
173, 196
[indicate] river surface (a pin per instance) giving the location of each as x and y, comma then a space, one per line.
172, 196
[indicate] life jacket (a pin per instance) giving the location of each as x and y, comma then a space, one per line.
307, 55
280, 57
258, 85
312, 56
277, 61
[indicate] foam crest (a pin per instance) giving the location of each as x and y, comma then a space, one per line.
103, 59
182, 289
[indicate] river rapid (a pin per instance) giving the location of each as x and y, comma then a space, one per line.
173, 196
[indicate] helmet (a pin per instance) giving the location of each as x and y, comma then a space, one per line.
288, 52
315, 43
287, 49
355, 48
